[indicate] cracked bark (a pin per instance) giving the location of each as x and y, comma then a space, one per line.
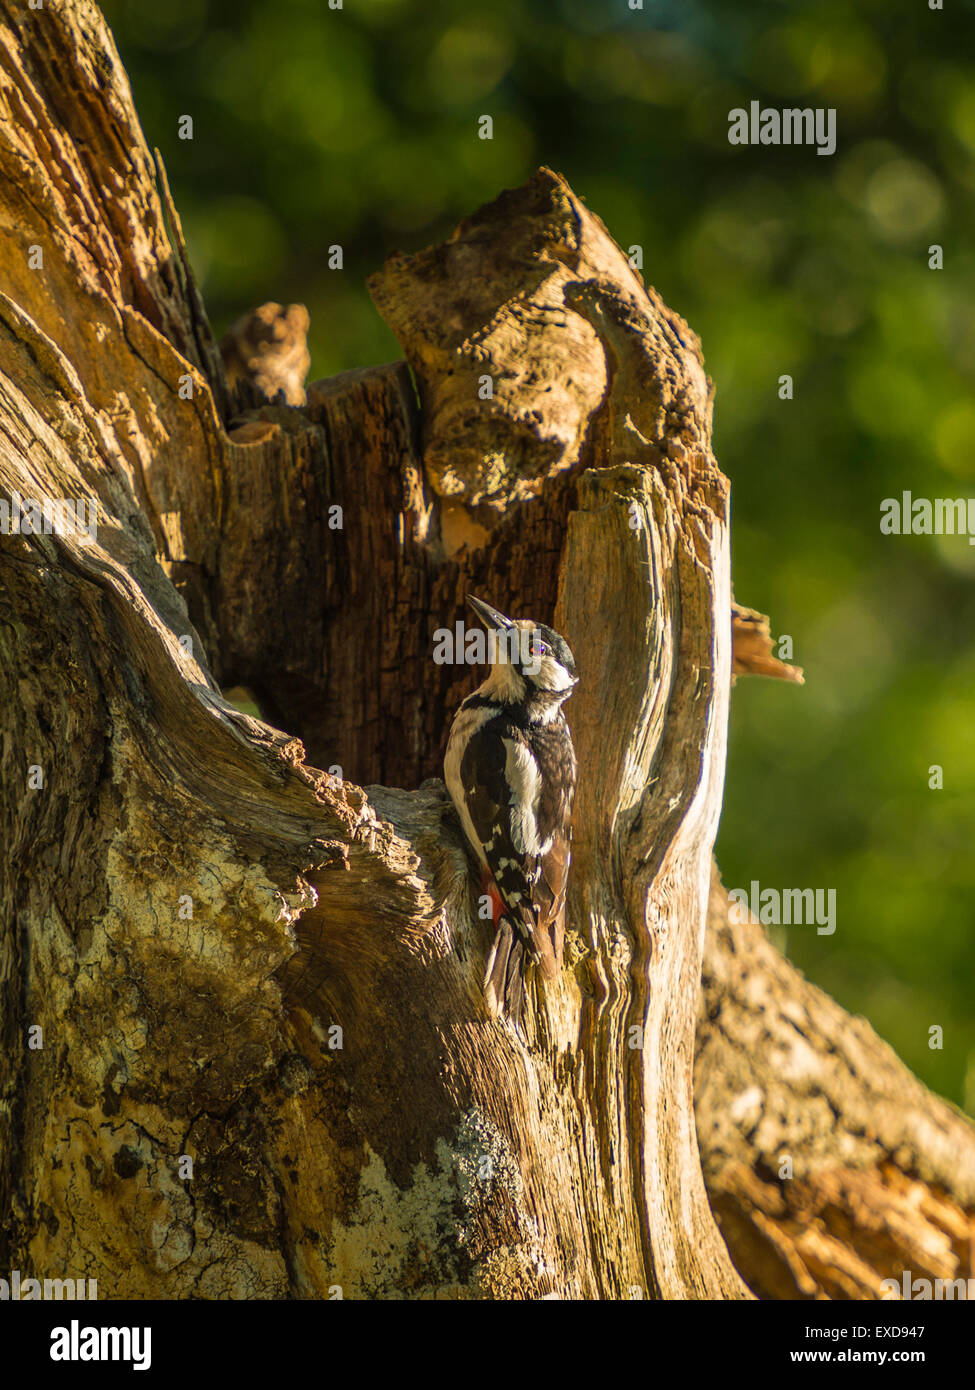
193, 904
829, 1166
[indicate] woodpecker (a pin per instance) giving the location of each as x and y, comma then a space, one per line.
510, 768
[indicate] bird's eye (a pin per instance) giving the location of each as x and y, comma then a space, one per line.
539, 649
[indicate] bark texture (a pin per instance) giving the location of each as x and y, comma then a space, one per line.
229, 944
829, 1166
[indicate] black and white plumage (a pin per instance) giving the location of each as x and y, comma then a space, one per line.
510, 769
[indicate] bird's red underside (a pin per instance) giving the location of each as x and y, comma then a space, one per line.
491, 888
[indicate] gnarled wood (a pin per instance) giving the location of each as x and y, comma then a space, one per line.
233, 954
830, 1168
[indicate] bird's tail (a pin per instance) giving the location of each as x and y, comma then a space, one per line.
504, 978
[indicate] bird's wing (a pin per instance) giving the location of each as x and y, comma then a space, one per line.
499, 779
556, 755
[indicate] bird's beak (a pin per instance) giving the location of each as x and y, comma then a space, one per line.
489, 616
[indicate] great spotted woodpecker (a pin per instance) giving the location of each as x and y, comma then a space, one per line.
510, 768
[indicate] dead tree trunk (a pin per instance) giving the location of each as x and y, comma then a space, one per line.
829, 1167
245, 1051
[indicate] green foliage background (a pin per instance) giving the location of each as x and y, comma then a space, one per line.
358, 126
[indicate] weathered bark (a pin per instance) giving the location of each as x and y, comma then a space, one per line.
269, 350
829, 1166
433, 1153
752, 647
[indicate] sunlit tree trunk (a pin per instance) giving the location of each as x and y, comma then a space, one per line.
245, 1050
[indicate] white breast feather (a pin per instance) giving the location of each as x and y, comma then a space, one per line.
524, 779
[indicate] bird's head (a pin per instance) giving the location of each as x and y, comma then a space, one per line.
528, 660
